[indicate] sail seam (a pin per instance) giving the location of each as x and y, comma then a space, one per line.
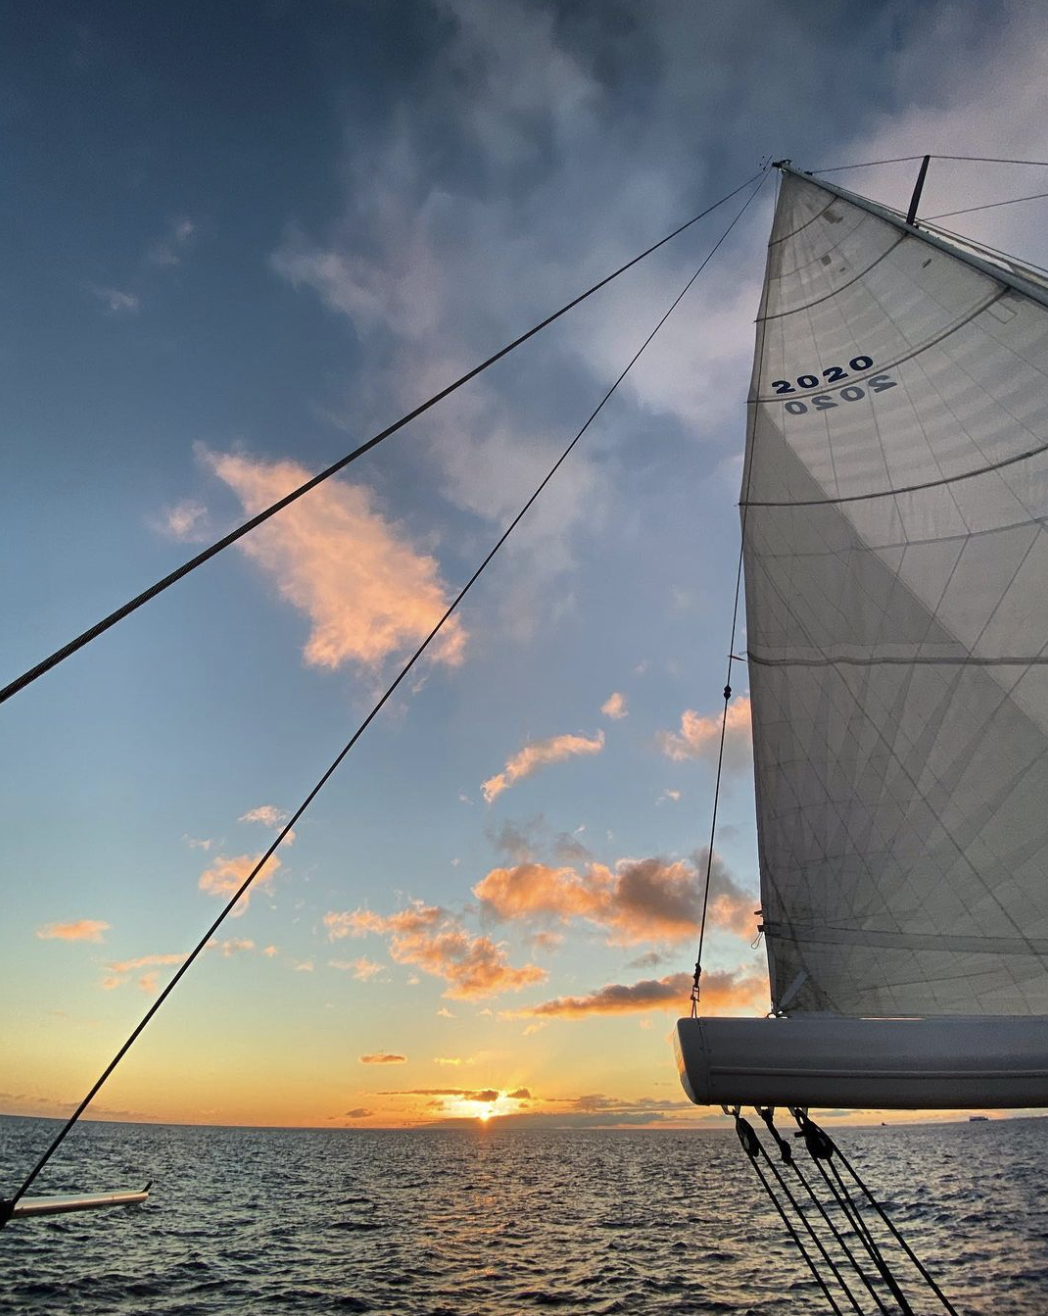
974, 945
900, 360
907, 488
776, 241
842, 660
780, 315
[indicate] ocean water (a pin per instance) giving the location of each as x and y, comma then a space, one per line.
496, 1220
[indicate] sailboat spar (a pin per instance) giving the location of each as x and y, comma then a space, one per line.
894, 505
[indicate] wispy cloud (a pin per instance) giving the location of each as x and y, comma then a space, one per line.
173, 246
727, 993
436, 942
224, 876
615, 706
186, 521
115, 301
267, 814
382, 1058
639, 900
362, 969
540, 754
699, 737
119, 970
368, 593
81, 929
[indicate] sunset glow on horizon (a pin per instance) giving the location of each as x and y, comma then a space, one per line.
488, 917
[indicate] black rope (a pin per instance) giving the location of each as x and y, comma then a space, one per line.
6, 1207
767, 1114
921, 1268
67, 650
751, 1145
806, 1124
840, 1239
990, 205
696, 985
853, 1215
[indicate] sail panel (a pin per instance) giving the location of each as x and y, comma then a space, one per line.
895, 498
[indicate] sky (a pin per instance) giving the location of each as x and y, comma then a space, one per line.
240, 239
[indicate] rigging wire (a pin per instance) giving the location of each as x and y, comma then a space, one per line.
767, 1114
755, 1150
868, 164
7, 1206
990, 205
906, 159
993, 159
100, 627
754, 401
808, 1127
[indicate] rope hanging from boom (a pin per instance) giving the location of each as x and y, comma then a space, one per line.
844, 1227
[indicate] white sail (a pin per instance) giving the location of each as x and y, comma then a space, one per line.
896, 560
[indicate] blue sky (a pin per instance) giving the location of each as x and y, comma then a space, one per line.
240, 239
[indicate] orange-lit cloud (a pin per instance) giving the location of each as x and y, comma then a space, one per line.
436, 941
82, 929
185, 521
640, 900
699, 737
615, 706
338, 559
359, 1113
727, 993
362, 969
539, 754
225, 876
466, 1094
382, 1058
146, 962
267, 814
118, 970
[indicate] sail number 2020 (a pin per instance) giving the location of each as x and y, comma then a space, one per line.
832, 375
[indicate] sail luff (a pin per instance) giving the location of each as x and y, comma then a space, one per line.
895, 498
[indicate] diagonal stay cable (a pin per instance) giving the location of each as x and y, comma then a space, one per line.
990, 205
6, 1207
100, 627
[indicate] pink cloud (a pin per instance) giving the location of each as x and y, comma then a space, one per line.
436, 942
335, 557
539, 754
699, 737
83, 929
267, 814
225, 876
362, 969
615, 706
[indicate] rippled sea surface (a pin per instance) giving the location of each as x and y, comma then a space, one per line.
499, 1221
